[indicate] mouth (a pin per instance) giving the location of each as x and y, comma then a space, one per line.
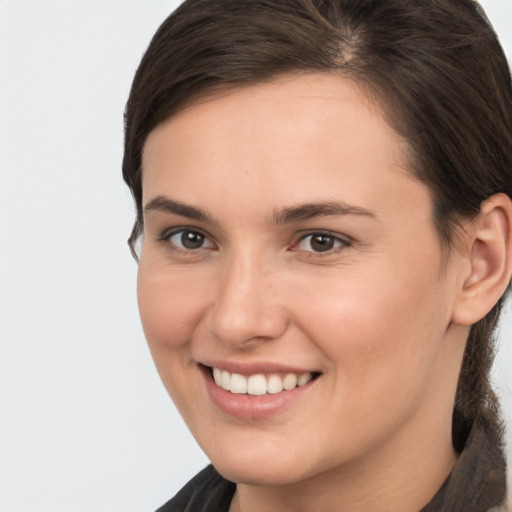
259, 384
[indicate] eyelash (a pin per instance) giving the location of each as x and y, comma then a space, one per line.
168, 235
339, 243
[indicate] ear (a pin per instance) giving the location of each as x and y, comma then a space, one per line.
489, 253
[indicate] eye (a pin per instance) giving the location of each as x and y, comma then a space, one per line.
188, 240
321, 243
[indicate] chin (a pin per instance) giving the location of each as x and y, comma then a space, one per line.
241, 472
259, 466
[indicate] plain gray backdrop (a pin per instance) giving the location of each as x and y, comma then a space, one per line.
85, 424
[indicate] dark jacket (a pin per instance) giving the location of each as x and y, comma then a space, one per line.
476, 484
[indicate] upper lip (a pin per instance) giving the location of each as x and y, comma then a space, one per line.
252, 368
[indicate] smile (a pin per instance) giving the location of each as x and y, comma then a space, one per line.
260, 384
256, 391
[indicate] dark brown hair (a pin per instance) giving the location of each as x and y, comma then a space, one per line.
434, 66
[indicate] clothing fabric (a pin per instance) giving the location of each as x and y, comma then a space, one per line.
476, 484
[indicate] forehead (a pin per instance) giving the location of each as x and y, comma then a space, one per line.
291, 140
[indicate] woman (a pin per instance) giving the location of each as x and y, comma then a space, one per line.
323, 203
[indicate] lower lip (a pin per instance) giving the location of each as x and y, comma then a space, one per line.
251, 407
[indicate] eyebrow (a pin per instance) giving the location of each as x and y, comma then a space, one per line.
167, 205
284, 216
314, 210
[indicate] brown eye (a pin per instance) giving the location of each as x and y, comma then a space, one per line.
189, 240
321, 242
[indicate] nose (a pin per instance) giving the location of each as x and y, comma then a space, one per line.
247, 306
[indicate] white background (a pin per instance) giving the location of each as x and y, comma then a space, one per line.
85, 424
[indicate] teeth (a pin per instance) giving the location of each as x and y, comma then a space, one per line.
225, 381
259, 384
304, 379
238, 384
274, 384
290, 381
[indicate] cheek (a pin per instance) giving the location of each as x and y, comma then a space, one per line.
170, 309
170, 306
381, 331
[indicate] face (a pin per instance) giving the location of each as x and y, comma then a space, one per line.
292, 286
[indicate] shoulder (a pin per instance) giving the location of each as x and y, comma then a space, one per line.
504, 508
207, 491
478, 482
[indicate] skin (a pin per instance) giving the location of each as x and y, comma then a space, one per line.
374, 315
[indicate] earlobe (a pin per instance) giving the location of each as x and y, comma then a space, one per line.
489, 242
